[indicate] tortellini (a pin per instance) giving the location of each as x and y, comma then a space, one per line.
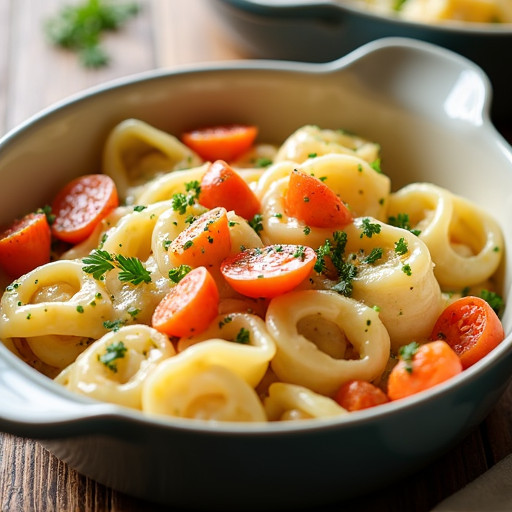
376, 282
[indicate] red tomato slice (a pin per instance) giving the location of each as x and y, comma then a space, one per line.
471, 328
189, 307
25, 245
81, 205
311, 201
225, 142
223, 186
268, 271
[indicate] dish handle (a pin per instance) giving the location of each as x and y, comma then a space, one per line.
32, 405
396, 68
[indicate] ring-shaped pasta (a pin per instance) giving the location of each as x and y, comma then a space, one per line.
242, 234
299, 361
119, 380
195, 390
132, 235
135, 303
401, 283
58, 351
94, 240
248, 355
312, 140
272, 174
164, 187
135, 152
56, 298
287, 402
465, 242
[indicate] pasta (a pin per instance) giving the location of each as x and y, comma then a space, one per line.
297, 304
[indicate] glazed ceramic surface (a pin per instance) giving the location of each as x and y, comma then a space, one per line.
323, 30
428, 108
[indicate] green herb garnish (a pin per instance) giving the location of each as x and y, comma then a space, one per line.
243, 336
79, 28
256, 223
99, 262
114, 351
369, 228
406, 353
178, 273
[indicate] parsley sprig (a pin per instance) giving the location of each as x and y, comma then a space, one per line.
99, 262
79, 28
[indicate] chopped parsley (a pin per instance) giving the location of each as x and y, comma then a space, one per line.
180, 201
321, 253
263, 162
401, 247
369, 228
243, 336
47, 210
375, 254
375, 165
256, 223
113, 352
402, 221
406, 269
224, 321
406, 353
113, 325
178, 273
494, 300
300, 252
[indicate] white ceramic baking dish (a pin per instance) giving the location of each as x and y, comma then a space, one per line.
428, 108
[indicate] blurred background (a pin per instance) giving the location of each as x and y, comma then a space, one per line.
164, 33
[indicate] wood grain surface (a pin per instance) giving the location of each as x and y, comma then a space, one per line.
166, 33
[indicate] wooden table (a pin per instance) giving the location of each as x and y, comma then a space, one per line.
166, 33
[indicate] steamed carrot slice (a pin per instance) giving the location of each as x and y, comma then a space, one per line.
268, 271
355, 395
25, 245
471, 327
189, 307
223, 186
421, 367
225, 142
206, 242
311, 201
81, 205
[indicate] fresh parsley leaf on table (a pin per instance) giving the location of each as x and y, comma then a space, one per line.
79, 27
